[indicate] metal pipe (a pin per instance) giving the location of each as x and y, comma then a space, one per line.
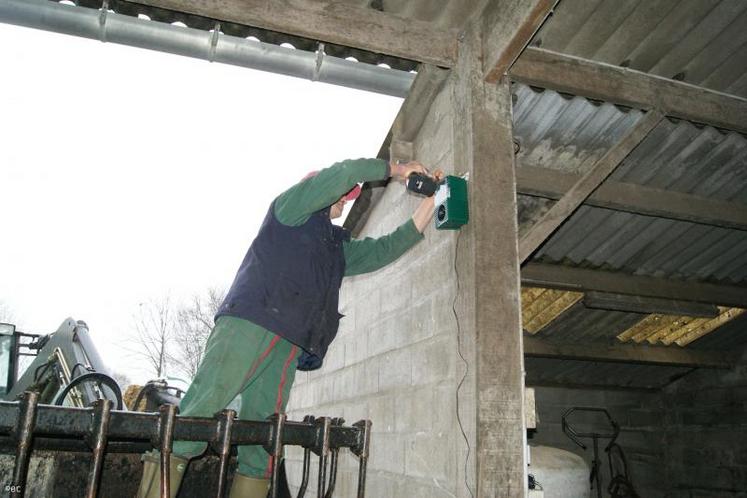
362, 450
308, 419
226, 418
166, 436
332, 473
336, 422
323, 450
23, 434
117, 28
305, 474
139, 427
276, 450
97, 440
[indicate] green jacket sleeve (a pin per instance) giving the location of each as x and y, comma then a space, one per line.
294, 206
366, 255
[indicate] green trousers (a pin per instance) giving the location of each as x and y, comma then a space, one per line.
243, 359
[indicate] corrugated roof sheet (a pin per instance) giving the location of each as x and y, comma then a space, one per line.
572, 133
579, 324
703, 42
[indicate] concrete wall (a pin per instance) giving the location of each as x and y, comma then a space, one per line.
706, 434
395, 358
640, 416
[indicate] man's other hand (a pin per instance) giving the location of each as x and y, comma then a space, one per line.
400, 171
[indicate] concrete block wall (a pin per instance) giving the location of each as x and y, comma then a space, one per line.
640, 416
395, 358
706, 434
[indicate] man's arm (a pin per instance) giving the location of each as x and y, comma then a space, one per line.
294, 206
367, 255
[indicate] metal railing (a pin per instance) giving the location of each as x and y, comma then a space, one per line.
100, 429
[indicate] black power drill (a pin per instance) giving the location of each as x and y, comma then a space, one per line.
421, 184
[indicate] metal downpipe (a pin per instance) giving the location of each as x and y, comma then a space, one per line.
109, 26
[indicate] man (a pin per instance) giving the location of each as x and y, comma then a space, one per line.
281, 311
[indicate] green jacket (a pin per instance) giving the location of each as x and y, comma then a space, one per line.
294, 206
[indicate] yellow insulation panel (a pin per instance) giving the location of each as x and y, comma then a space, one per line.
541, 306
681, 330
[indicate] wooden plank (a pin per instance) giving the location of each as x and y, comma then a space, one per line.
562, 209
629, 353
488, 305
584, 279
334, 22
426, 86
639, 199
639, 304
508, 26
620, 85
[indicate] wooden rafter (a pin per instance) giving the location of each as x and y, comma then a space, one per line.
585, 185
583, 279
334, 22
620, 85
639, 199
508, 26
628, 353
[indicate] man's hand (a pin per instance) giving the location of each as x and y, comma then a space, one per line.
424, 212
400, 171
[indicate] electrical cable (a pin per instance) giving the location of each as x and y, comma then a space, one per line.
466, 364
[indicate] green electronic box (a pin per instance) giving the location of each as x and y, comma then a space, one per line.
452, 208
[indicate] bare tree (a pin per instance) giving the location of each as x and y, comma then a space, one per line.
154, 327
194, 324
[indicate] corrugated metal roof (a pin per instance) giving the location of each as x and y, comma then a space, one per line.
703, 42
731, 336
572, 133
579, 324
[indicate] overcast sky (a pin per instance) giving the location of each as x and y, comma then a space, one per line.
128, 175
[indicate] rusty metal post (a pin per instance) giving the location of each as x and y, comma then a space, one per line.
308, 419
23, 435
322, 449
97, 441
166, 423
361, 450
336, 422
275, 448
223, 447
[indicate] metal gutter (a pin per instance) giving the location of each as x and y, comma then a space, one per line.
213, 46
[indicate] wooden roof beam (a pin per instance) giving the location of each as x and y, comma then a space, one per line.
632, 198
629, 353
619, 85
334, 22
508, 26
585, 279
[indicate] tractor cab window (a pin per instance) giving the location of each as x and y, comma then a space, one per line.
6, 356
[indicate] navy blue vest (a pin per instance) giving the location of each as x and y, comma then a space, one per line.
289, 283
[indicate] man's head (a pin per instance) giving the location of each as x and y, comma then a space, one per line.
336, 209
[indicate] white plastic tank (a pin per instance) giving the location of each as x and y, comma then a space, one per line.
560, 473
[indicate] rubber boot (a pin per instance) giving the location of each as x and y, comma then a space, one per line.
150, 485
248, 487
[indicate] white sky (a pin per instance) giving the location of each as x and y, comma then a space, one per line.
128, 175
